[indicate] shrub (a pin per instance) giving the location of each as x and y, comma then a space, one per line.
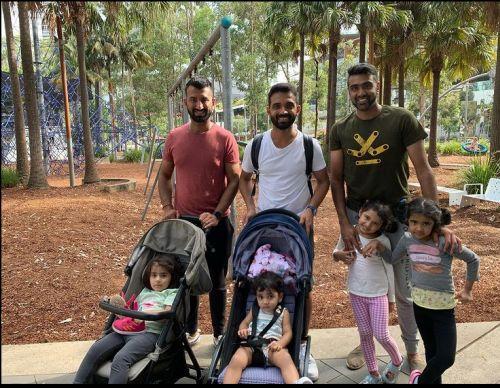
111, 158
480, 171
9, 177
132, 156
101, 152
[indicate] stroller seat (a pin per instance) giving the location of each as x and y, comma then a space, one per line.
282, 230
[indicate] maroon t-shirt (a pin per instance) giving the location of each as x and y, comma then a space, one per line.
199, 159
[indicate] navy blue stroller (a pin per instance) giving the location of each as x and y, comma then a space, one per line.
282, 230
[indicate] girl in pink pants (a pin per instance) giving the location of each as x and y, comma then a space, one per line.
371, 289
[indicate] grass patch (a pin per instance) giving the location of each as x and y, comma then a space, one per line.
9, 177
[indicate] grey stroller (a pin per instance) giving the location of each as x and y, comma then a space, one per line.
167, 363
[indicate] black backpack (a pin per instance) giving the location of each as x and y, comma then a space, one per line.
308, 150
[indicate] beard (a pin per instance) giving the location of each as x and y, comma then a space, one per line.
200, 118
367, 105
283, 124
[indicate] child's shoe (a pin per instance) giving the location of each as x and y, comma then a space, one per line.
128, 326
414, 376
371, 379
304, 380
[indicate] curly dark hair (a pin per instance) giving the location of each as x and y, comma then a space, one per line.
282, 87
199, 83
268, 281
429, 208
389, 223
170, 263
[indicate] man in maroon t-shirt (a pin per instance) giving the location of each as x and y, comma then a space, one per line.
207, 165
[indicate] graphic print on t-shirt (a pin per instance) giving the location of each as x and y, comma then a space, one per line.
366, 146
425, 258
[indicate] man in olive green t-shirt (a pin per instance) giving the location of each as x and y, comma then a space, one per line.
369, 151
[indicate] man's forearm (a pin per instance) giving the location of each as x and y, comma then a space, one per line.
165, 190
320, 193
246, 192
338, 195
228, 196
428, 184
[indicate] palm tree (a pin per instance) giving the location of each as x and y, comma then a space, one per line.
78, 18
37, 178
491, 15
456, 42
22, 164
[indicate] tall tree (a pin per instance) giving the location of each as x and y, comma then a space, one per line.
37, 177
458, 42
22, 164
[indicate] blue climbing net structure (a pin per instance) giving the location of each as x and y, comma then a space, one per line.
105, 139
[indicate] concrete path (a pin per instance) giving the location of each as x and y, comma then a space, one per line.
476, 360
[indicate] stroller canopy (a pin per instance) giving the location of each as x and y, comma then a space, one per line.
283, 231
184, 240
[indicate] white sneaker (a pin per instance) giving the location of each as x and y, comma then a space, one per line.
312, 368
217, 340
304, 380
194, 338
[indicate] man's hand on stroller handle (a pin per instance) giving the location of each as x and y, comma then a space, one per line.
208, 220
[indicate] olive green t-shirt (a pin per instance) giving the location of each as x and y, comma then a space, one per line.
375, 156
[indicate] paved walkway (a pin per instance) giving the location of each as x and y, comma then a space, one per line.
476, 360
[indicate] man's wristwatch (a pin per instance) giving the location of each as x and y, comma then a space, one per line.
217, 215
314, 209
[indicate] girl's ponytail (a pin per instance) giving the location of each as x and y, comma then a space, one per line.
445, 216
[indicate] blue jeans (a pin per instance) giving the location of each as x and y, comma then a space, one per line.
127, 350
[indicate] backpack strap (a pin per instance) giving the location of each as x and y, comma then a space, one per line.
309, 152
257, 141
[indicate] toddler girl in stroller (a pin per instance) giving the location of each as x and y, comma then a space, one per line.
270, 333
129, 340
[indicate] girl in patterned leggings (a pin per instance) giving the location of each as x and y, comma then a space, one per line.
371, 289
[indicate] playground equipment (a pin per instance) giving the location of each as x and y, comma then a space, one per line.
472, 146
222, 33
53, 124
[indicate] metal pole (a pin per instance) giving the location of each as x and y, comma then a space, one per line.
150, 196
170, 118
466, 107
39, 92
151, 148
185, 114
69, 140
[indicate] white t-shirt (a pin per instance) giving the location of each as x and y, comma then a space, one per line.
282, 173
370, 276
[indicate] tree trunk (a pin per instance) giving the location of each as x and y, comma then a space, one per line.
421, 103
381, 87
22, 164
98, 109
387, 85
37, 177
495, 115
317, 98
362, 42
301, 81
334, 38
90, 175
432, 153
371, 46
401, 84
134, 111
114, 139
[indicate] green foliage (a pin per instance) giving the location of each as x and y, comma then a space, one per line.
101, 152
111, 158
132, 156
9, 177
452, 147
480, 171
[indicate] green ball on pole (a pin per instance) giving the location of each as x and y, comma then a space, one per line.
226, 21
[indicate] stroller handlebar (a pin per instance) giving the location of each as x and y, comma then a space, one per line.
136, 314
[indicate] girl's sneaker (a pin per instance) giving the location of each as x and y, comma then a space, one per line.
370, 379
304, 380
128, 326
414, 376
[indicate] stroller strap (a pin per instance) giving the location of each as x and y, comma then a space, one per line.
258, 341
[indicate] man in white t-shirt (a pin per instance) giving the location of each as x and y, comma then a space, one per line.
282, 173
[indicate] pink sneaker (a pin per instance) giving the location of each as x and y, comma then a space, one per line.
415, 373
128, 326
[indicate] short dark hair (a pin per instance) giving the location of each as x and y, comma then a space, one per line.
268, 281
282, 87
429, 208
170, 263
389, 223
363, 68
198, 83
